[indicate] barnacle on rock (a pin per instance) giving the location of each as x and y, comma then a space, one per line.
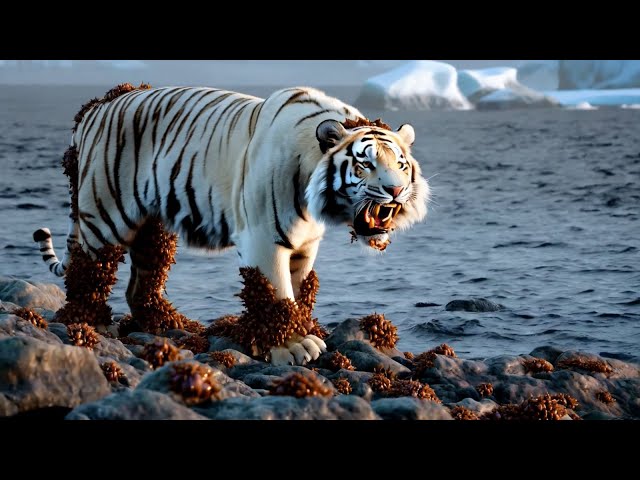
605, 397
338, 361
82, 335
566, 400
195, 343
504, 412
224, 358
543, 407
379, 383
537, 365
599, 366
31, 316
462, 413
412, 388
192, 326
423, 362
409, 355
444, 349
485, 389
159, 352
381, 332
112, 371
223, 326
342, 385
299, 386
194, 382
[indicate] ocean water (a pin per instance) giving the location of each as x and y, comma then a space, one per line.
534, 209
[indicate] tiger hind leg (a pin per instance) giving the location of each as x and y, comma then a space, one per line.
152, 253
88, 284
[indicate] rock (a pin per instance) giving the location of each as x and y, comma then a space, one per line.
14, 326
366, 358
409, 408
36, 375
344, 332
473, 305
342, 407
31, 294
546, 352
139, 364
505, 365
359, 382
142, 338
136, 350
484, 406
218, 344
260, 381
516, 389
136, 404
416, 85
426, 304
584, 387
59, 330
159, 381
110, 347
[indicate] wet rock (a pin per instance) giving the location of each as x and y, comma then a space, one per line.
505, 365
516, 389
366, 358
14, 326
342, 407
344, 332
409, 408
160, 380
136, 404
31, 294
217, 344
34, 375
59, 330
473, 305
546, 352
142, 366
260, 381
142, 338
484, 406
110, 347
359, 382
584, 387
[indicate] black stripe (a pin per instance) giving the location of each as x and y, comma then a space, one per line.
224, 232
48, 257
254, 114
106, 218
296, 193
288, 102
45, 249
96, 231
120, 144
343, 176
234, 120
173, 205
244, 175
311, 115
284, 239
215, 126
192, 224
186, 117
331, 207
40, 235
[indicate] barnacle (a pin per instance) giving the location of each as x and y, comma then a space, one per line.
423, 362
605, 397
412, 388
194, 382
504, 412
195, 343
112, 371
382, 333
223, 326
30, 316
299, 386
338, 361
192, 326
543, 407
342, 385
485, 389
159, 352
409, 355
566, 400
537, 365
224, 358
365, 122
444, 349
82, 335
462, 413
380, 383
584, 364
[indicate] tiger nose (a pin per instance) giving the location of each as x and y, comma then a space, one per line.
394, 191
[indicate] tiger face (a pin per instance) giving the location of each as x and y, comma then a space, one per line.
369, 180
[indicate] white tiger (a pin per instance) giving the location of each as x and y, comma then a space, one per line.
222, 168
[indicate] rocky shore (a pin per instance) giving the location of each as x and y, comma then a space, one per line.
73, 372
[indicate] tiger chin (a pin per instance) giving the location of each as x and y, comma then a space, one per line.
221, 169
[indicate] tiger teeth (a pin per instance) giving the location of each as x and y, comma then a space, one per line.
397, 209
372, 222
376, 210
367, 216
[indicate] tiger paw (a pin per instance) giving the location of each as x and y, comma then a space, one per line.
297, 350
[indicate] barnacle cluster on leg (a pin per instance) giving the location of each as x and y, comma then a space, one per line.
153, 253
88, 284
223, 326
300, 386
306, 300
339, 361
484, 389
112, 372
605, 397
82, 335
194, 382
342, 385
159, 352
195, 343
462, 413
596, 366
223, 358
30, 316
537, 365
381, 332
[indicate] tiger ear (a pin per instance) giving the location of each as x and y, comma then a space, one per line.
407, 133
329, 133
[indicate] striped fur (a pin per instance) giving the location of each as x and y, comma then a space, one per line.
223, 168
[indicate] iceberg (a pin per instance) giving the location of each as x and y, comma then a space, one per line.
598, 74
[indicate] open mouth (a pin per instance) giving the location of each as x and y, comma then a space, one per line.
376, 218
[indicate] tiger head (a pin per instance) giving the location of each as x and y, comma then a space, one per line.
368, 179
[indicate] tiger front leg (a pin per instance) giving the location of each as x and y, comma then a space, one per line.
274, 324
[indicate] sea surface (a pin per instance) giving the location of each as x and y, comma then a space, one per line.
534, 209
